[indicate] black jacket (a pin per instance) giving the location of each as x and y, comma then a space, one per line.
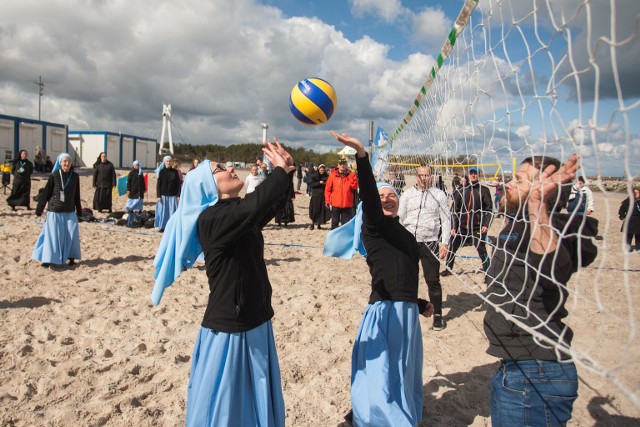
135, 185
230, 233
317, 189
392, 251
531, 288
169, 183
51, 193
474, 209
632, 215
104, 175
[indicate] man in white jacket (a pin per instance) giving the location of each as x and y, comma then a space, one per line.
424, 211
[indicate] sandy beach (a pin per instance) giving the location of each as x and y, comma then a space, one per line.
84, 346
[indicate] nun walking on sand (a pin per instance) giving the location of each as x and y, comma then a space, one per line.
235, 374
59, 240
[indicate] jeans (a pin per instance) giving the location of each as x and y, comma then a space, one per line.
533, 393
429, 252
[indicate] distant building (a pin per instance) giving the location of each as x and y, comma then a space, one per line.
121, 149
19, 133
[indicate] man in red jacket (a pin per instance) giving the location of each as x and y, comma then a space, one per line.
339, 193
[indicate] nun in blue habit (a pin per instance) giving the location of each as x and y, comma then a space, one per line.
135, 188
235, 375
386, 364
59, 240
168, 192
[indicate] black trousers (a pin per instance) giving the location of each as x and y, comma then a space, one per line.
464, 237
340, 216
630, 239
431, 269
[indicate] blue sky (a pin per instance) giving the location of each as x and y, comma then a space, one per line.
225, 67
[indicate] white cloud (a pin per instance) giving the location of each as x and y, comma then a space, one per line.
431, 26
524, 132
224, 66
387, 10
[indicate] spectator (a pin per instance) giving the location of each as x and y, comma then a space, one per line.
581, 198
194, 164
299, 176
338, 193
253, 179
104, 180
40, 159
21, 168
424, 211
168, 192
629, 212
318, 211
135, 188
499, 186
472, 214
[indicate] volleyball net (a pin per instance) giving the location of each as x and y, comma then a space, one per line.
517, 79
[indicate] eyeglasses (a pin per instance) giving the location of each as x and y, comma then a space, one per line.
218, 168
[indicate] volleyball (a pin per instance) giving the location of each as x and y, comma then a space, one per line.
313, 101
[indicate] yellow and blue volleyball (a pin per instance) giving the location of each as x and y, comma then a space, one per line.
313, 101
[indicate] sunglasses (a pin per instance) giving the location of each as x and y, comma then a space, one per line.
218, 168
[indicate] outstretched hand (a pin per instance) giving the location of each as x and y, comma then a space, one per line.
278, 156
549, 179
350, 141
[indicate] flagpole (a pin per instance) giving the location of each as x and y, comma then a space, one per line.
370, 138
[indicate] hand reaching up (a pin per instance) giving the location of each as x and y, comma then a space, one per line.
278, 156
350, 141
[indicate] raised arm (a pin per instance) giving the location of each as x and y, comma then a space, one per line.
371, 204
543, 238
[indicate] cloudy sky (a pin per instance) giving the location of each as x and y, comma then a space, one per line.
226, 66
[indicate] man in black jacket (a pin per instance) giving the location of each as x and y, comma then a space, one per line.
471, 217
526, 293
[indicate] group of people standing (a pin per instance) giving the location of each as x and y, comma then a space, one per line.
333, 195
396, 233
236, 342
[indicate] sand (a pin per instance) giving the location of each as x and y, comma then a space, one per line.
83, 345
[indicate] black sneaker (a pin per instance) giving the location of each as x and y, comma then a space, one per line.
438, 323
349, 418
446, 273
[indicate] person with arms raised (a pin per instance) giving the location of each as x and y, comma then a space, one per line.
235, 375
386, 365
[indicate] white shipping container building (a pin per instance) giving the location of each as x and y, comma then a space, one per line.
18, 133
121, 149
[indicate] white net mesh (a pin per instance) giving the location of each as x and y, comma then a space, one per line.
551, 78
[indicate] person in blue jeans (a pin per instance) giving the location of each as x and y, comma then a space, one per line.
537, 381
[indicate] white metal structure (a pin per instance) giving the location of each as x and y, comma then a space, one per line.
166, 125
265, 126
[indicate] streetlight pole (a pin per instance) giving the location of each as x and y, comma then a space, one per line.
40, 92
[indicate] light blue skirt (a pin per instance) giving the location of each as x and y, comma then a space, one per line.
133, 205
386, 366
235, 380
164, 211
59, 239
